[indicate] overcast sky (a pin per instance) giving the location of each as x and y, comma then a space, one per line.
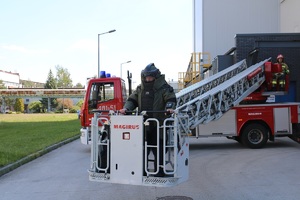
37, 35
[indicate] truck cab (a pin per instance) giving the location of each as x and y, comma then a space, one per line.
108, 93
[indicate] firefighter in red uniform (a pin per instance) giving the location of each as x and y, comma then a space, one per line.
279, 78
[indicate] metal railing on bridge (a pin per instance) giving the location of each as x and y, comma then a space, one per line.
38, 92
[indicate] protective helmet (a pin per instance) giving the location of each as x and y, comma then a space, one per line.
279, 56
150, 70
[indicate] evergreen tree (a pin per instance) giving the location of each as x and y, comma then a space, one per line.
19, 105
50, 84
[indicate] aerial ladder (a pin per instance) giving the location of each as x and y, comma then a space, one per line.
120, 154
209, 99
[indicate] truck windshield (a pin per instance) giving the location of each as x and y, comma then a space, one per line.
100, 92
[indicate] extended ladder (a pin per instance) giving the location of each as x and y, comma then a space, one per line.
209, 99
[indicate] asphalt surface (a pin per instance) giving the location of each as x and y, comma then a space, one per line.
219, 169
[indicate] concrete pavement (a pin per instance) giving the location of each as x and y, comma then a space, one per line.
219, 169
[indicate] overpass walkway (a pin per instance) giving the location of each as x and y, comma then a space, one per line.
43, 93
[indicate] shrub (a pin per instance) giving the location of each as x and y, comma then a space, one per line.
35, 106
74, 109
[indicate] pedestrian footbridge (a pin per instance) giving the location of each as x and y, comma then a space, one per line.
44, 93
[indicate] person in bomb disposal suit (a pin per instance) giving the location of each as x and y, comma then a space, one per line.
153, 94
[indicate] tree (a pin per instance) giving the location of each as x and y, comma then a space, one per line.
78, 85
8, 102
2, 86
63, 79
19, 105
50, 84
63, 103
79, 103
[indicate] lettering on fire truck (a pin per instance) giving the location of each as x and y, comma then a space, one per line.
126, 126
254, 114
107, 107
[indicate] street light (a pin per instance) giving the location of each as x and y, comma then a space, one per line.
111, 31
121, 67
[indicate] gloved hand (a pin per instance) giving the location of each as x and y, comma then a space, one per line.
123, 111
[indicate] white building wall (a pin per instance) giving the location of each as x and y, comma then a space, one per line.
289, 16
223, 19
10, 79
197, 26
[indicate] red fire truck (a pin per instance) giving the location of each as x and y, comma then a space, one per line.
104, 93
225, 104
252, 120
256, 120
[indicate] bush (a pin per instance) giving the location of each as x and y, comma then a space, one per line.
74, 109
79, 103
35, 106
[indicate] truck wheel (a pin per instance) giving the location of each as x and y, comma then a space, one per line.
255, 136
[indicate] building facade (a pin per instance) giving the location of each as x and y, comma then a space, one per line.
270, 26
10, 79
270, 45
216, 22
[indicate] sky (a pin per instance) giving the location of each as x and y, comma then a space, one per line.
37, 35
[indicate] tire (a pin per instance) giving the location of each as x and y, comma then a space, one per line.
255, 136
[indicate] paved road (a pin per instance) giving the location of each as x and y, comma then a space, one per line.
219, 169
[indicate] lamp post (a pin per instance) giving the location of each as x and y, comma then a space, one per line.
111, 31
121, 67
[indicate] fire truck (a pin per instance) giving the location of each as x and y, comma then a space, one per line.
228, 103
104, 93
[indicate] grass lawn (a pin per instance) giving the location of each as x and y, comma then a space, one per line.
24, 134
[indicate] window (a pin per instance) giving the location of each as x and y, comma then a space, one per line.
124, 94
99, 93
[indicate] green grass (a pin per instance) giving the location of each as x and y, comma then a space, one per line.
24, 134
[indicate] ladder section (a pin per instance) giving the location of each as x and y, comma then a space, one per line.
188, 94
212, 98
